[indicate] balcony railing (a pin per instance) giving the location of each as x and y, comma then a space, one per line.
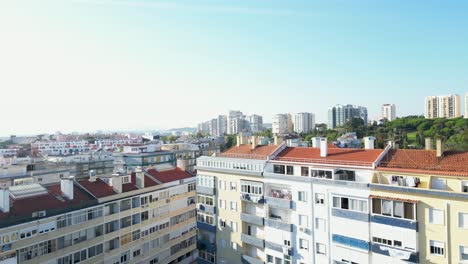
277, 202
254, 241
278, 224
252, 219
251, 260
252, 198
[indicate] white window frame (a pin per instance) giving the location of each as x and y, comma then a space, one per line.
437, 244
436, 216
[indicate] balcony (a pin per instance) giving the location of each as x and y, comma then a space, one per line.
252, 219
206, 227
397, 253
278, 224
279, 248
278, 202
251, 260
254, 241
204, 244
207, 208
247, 197
206, 190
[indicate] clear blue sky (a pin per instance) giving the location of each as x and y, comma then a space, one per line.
119, 64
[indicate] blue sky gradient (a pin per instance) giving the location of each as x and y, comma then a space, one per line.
83, 65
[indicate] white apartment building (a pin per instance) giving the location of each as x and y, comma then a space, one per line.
282, 124
443, 106
60, 147
146, 217
389, 111
256, 123
304, 122
222, 125
234, 122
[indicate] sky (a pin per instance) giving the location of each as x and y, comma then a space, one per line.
87, 65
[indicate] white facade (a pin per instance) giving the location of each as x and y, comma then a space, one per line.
256, 123
222, 125
234, 124
60, 147
443, 106
389, 111
304, 122
281, 124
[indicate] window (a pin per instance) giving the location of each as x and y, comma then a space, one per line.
252, 187
393, 208
303, 220
234, 226
387, 207
321, 174
438, 184
382, 241
207, 181
319, 198
302, 196
436, 216
234, 245
287, 243
320, 248
222, 185
233, 206
320, 224
463, 220
222, 204
233, 186
290, 170
464, 187
397, 243
463, 253
287, 259
278, 169
305, 171
222, 222
303, 244
397, 209
205, 199
437, 248
269, 259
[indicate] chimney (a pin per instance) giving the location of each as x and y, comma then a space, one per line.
139, 177
92, 176
238, 140
439, 148
277, 140
316, 142
428, 143
5, 200
116, 182
66, 186
369, 142
182, 164
254, 142
323, 147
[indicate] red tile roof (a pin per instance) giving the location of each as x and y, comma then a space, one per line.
98, 188
338, 156
425, 161
53, 200
169, 175
148, 181
260, 152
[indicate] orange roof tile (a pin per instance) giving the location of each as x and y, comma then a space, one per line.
260, 152
425, 161
169, 175
339, 156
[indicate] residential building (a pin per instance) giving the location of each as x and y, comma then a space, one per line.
204, 128
466, 105
419, 207
213, 127
255, 123
282, 124
221, 125
235, 122
443, 106
60, 147
135, 155
338, 115
389, 111
146, 217
304, 122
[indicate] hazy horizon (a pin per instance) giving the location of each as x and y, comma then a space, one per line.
83, 65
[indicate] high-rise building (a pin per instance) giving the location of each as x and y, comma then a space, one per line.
204, 128
443, 106
304, 122
148, 216
278, 204
255, 123
282, 124
389, 111
235, 123
213, 129
338, 115
222, 125
466, 105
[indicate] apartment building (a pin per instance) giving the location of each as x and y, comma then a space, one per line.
145, 217
282, 124
60, 147
338, 115
135, 155
421, 192
389, 112
304, 122
443, 106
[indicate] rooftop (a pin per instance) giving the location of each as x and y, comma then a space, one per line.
246, 151
169, 175
341, 156
452, 163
